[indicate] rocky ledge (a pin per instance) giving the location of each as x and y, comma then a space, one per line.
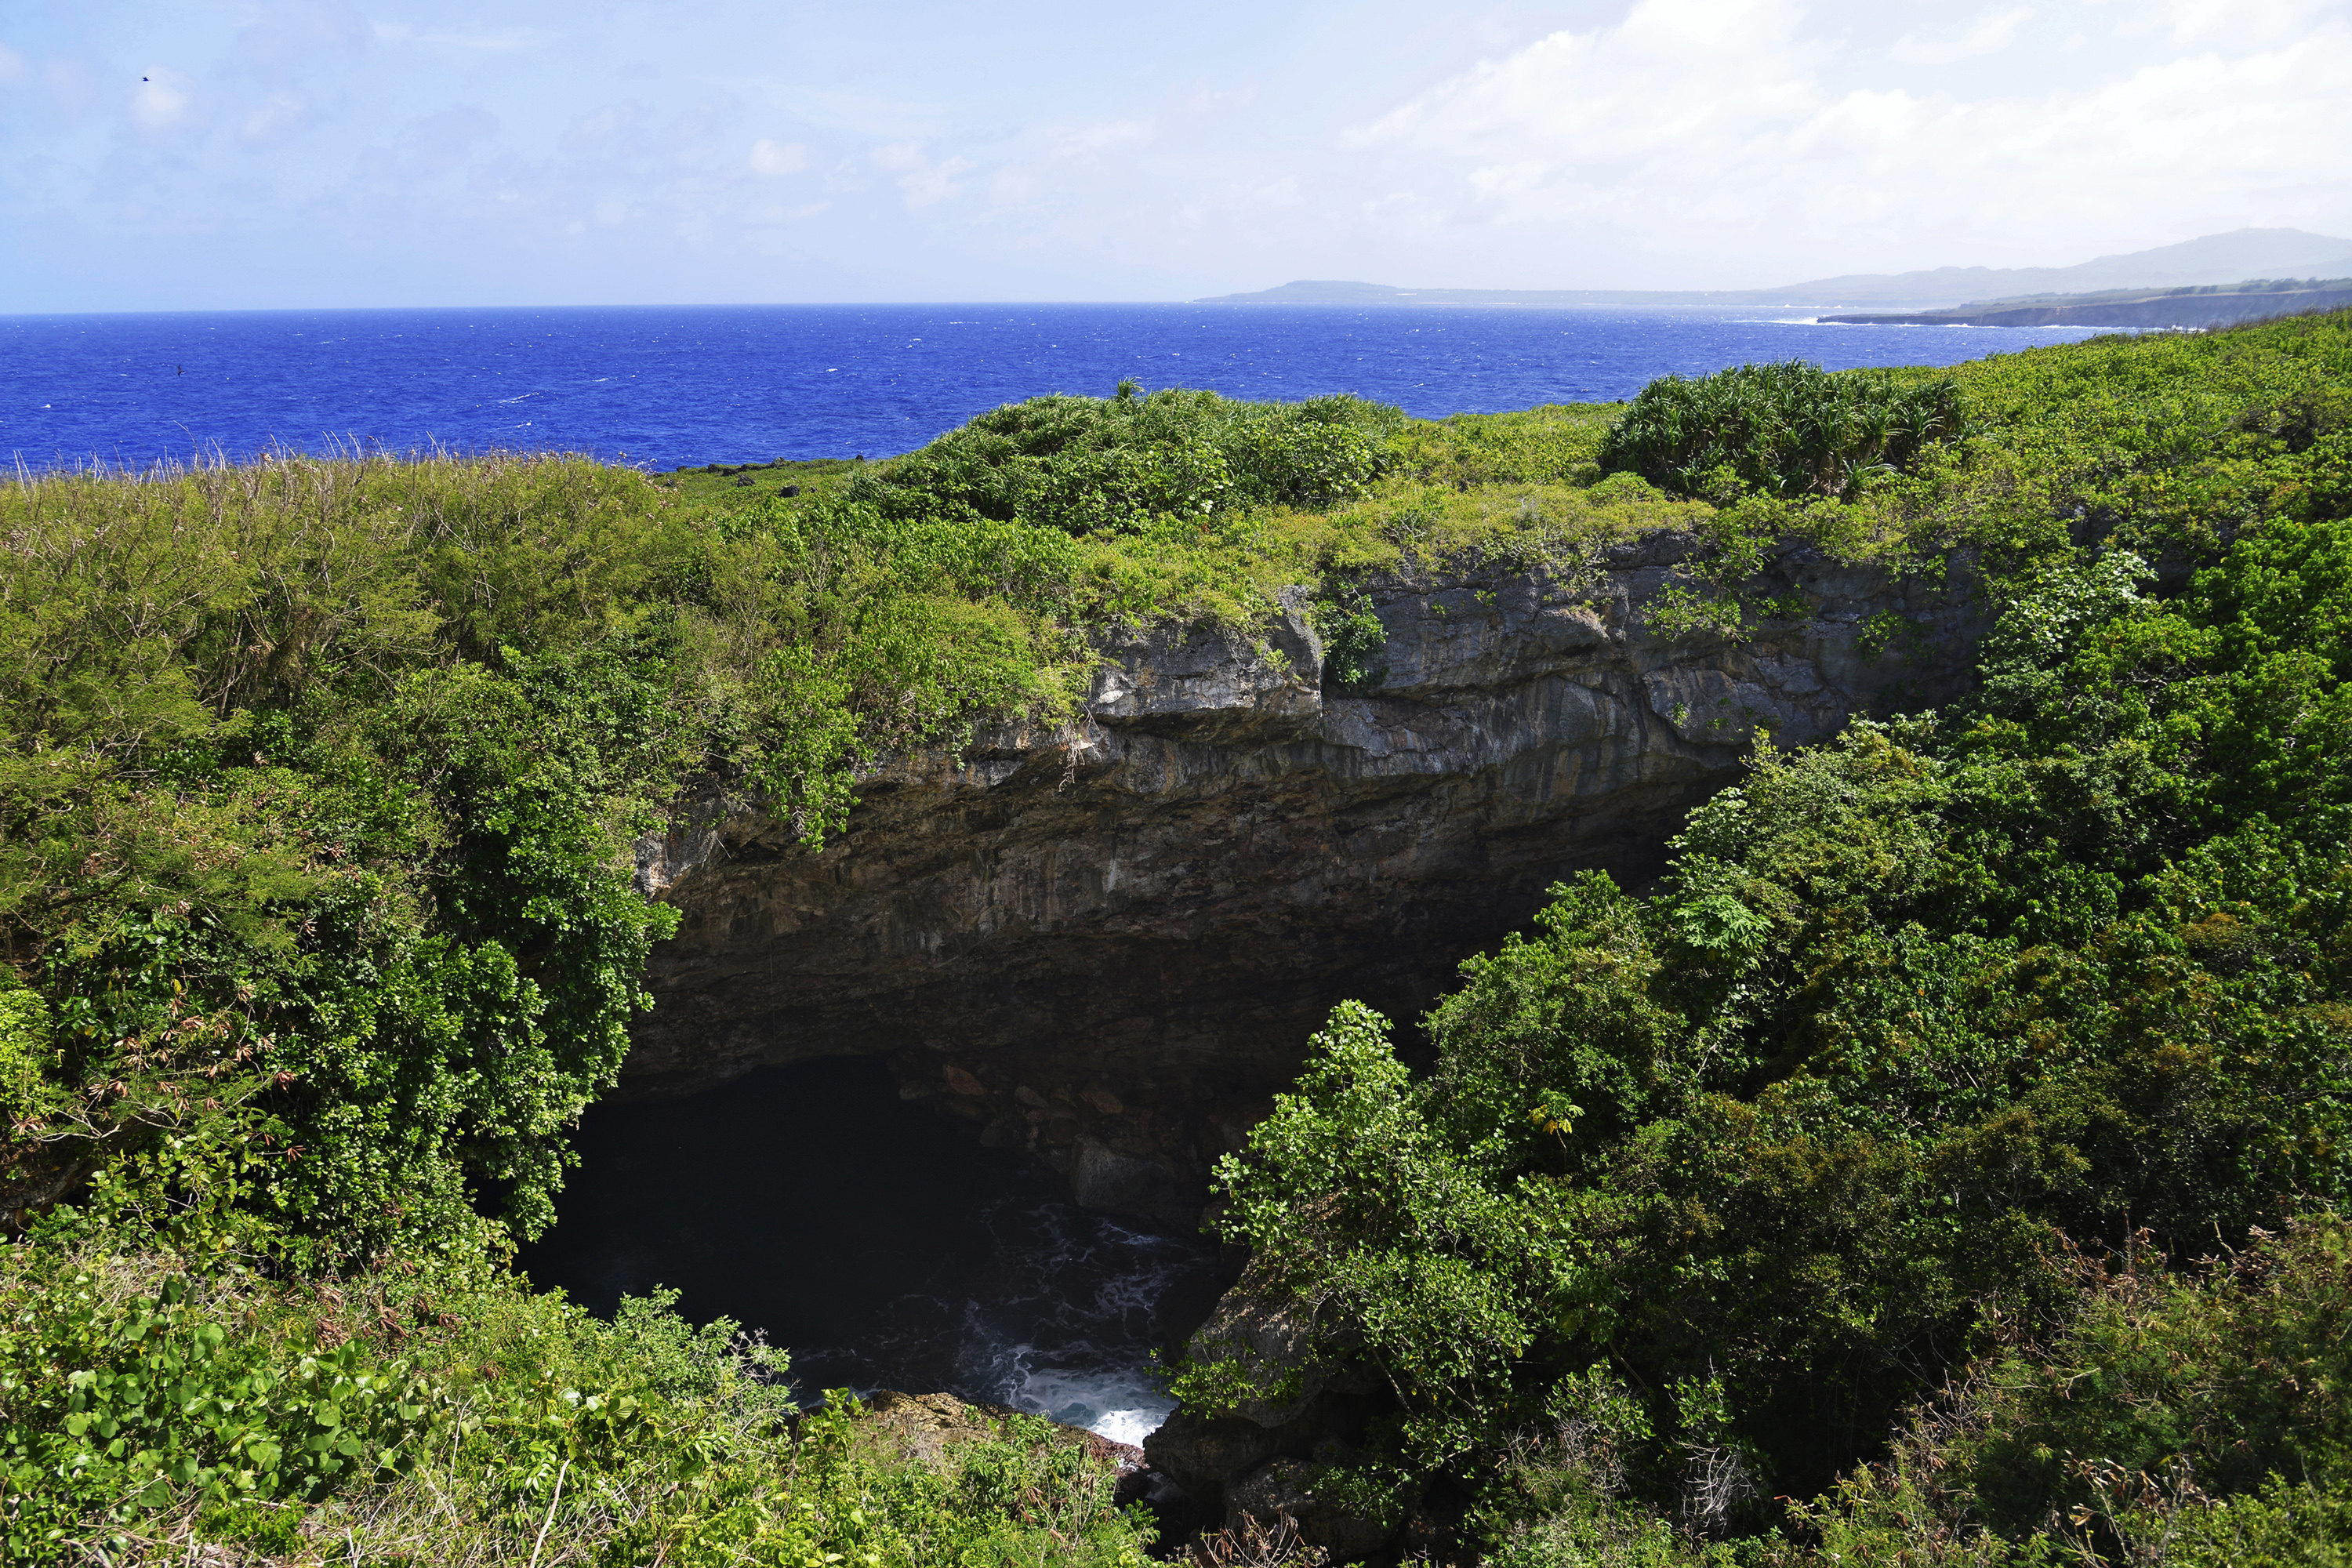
1107, 943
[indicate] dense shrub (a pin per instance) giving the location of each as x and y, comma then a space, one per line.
1790, 429
1766, 1156
315, 833
1083, 464
152, 1400
2200, 1414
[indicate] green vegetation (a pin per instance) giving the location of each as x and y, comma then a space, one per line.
315, 870
1926, 1030
452, 1416
1786, 430
727, 487
1090, 465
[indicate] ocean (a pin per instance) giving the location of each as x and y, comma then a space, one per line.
671, 387
878, 1243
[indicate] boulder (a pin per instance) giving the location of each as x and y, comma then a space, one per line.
1283, 1490
929, 1426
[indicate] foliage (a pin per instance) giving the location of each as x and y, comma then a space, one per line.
1553, 443
1784, 430
2200, 1416
318, 825
1088, 465
463, 1419
1353, 638
1915, 1014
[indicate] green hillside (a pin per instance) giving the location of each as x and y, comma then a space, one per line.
1949, 1051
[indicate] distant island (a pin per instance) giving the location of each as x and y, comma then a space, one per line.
2214, 259
2218, 305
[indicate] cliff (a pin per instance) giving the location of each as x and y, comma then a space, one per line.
1107, 943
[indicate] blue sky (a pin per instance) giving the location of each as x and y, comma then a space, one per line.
327, 153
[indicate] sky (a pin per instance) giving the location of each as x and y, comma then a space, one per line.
205, 154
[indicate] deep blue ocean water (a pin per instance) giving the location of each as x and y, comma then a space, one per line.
667, 387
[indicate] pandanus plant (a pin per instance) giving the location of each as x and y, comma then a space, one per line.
1787, 429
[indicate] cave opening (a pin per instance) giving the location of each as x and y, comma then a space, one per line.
878, 1242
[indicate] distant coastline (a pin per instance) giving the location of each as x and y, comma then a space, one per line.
2224, 260
2184, 308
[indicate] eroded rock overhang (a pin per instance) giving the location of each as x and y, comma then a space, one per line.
1107, 943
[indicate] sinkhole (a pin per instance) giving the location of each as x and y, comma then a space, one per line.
878, 1244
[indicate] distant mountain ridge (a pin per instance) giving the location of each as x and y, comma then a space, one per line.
2207, 305
2242, 254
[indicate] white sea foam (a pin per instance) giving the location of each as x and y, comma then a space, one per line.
1071, 1335
1130, 1425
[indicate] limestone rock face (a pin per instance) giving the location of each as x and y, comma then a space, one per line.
1282, 1490
1107, 943
1252, 1459
1271, 1333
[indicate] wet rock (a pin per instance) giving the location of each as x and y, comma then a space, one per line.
1306, 1411
1102, 1178
927, 1426
1155, 1489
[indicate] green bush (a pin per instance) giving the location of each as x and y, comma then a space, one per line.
1787, 430
457, 1416
2166, 1408
1916, 1012
1086, 465
316, 825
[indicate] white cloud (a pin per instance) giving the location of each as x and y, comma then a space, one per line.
771, 159
438, 144
500, 40
284, 115
1092, 140
1677, 76
922, 180
291, 31
602, 128
865, 115
162, 102
2256, 23
1702, 122
72, 85
1987, 34
1648, 143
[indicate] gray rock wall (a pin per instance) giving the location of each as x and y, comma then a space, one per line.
1107, 943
